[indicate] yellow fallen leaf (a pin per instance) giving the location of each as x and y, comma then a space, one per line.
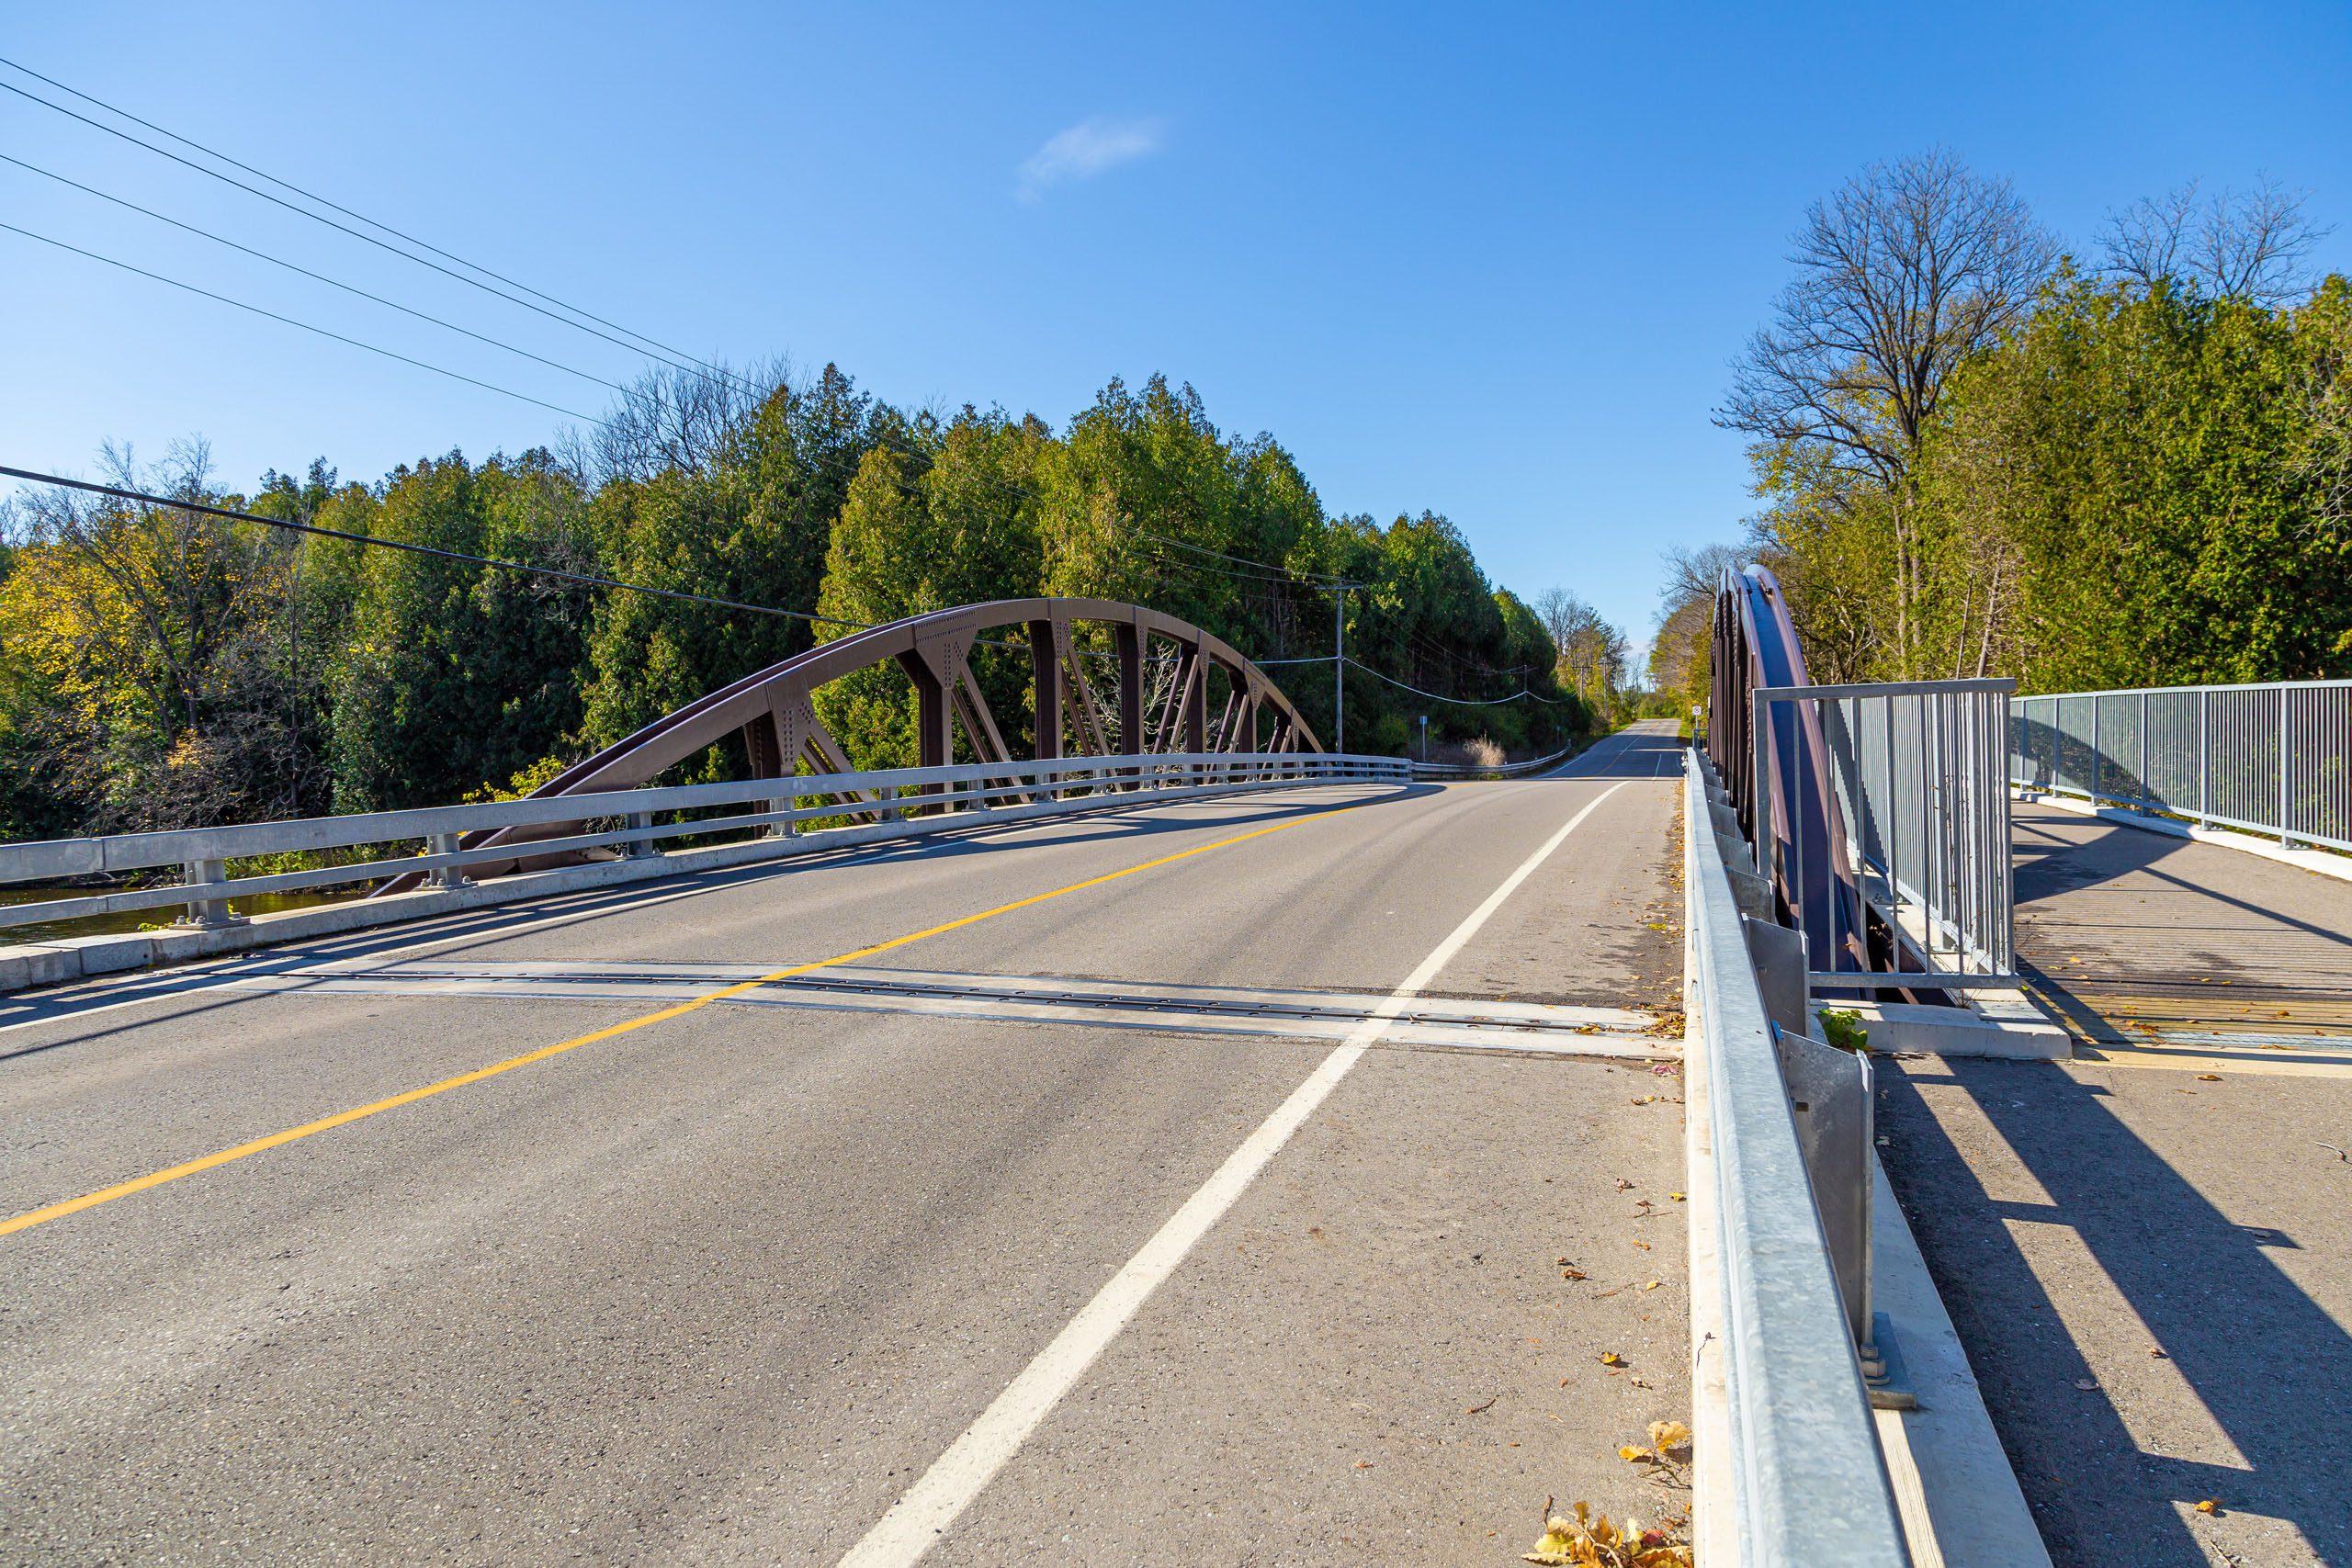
1674, 1197
1654, 1284
1612, 1359
1630, 1453
1642, 1245
2210, 1505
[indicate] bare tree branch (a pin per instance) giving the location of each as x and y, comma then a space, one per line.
1901, 273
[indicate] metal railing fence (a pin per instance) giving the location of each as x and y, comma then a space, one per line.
2274, 759
1914, 771
964, 795
1808, 1484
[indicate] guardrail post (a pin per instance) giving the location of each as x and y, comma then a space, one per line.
639, 848
448, 876
207, 912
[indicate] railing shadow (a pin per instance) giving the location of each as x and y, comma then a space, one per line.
473, 929
2048, 866
2263, 1360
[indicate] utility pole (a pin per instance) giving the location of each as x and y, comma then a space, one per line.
1340, 668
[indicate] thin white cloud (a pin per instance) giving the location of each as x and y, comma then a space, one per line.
1087, 148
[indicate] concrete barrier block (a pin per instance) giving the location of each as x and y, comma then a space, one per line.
111, 954
1932, 1031
35, 966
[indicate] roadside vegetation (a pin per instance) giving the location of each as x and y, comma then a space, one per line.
1979, 452
159, 668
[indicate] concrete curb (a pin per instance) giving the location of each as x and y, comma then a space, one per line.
2322, 863
1961, 1503
2015, 1032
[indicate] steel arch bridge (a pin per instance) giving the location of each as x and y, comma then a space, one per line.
1171, 688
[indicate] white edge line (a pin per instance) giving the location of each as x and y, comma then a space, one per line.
925, 1510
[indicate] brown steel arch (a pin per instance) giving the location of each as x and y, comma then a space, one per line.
776, 712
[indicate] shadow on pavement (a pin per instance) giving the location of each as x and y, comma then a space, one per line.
2268, 1365
459, 932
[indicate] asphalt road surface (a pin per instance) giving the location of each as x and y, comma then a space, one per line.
1181, 1185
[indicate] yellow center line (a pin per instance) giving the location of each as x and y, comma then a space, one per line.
392, 1102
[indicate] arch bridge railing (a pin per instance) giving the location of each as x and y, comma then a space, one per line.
1105, 678
1123, 702
734, 823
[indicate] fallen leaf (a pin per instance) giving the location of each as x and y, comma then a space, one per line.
2086, 1384
1612, 1359
1652, 1284
1674, 1197
1481, 1409
1640, 1242
1574, 1274
1623, 1185
2211, 1505
2209, 1077
1363, 1464
2158, 1352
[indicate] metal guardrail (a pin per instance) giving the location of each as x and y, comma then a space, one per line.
1519, 770
2273, 758
960, 796
1914, 769
1809, 1487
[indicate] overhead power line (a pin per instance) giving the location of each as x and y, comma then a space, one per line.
347, 212
685, 363
306, 272
256, 310
1460, 701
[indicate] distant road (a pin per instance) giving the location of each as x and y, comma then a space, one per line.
1092, 1193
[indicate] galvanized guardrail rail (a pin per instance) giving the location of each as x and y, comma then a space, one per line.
2274, 759
767, 815
1807, 1485
1519, 770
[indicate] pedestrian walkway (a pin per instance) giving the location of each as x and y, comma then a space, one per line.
2148, 1249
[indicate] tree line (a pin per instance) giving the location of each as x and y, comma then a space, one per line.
160, 667
1980, 452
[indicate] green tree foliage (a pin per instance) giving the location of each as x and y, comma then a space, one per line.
953, 522
2131, 487
450, 675
750, 524
2136, 475
159, 667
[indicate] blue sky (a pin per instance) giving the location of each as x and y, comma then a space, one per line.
1491, 263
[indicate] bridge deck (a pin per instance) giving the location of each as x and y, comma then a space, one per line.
2169, 1190
720, 1287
